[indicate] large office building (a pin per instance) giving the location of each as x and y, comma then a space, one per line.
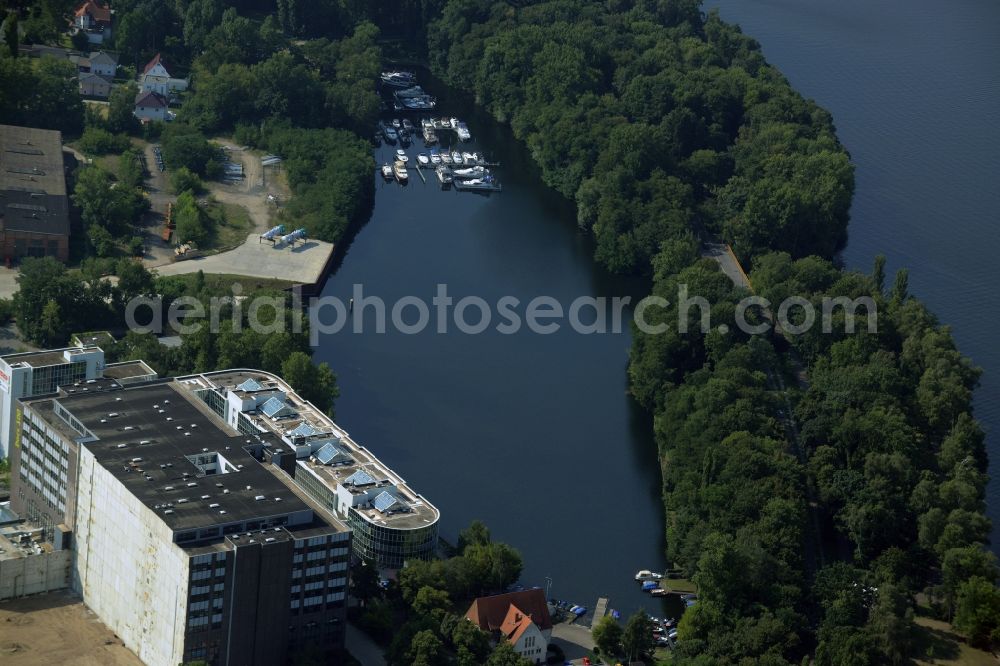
208, 517
34, 208
391, 522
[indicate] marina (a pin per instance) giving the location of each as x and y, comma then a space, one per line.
456, 168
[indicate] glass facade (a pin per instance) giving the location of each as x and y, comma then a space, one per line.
390, 547
47, 379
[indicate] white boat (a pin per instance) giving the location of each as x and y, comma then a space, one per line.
435, 158
463, 132
454, 123
444, 175
446, 158
456, 157
386, 171
429, 135
399, 79
415, 91
400, 170
646, 574
486, 184
426, 122
470, 172
423, 159
401, 155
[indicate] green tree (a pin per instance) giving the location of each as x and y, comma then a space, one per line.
504, 655
978, 612
192, 223
426, 649
183, 180
471, 641
429, 599
637, 637
121, 104
608, 636
365, 583
315, 383
52, 330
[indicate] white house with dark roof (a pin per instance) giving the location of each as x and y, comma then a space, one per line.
95, 85
156, 77
150, 106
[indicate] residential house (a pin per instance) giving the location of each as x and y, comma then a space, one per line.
520, 618
95, 85
156, 78
99, 62
150, 105
93, 18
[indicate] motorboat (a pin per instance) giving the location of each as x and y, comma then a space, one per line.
444, 175
390, 134
454, 123
426, 122
386, 171
415, 91
399, 79
423, 159
430, 136
399, 169
468, 158
396, 123
435, 157
649, 585
407, 124
401, 156
456, 157
470, 172
486, 184
646, 574
659, 592
463, 132
446, 158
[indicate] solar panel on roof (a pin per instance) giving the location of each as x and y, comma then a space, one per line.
304, 430
275, 406
250, 385
360, 478
328, 453
384, 501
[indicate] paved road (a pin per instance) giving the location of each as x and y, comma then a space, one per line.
575, 640
363, 648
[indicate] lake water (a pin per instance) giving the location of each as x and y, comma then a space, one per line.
914, 88
533, 434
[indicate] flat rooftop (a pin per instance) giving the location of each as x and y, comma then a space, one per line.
31, 160
305, 417
150, 437
41, 359
128, 370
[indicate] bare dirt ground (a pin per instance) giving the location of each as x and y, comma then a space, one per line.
252, 194
57, 628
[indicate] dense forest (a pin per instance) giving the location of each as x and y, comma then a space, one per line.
814, 484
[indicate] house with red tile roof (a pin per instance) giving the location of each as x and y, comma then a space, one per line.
156, 77
93, 18
520, 618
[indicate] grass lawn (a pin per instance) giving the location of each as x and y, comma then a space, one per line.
231, 225
937, 643
222, 283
